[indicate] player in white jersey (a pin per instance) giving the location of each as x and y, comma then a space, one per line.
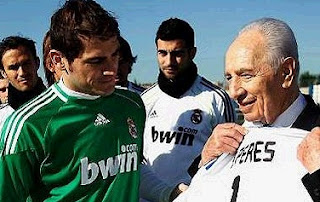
264, 169
182, 110
125, 67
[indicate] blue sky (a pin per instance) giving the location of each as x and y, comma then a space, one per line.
215, 23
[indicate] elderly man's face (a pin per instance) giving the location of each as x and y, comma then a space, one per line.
253, 83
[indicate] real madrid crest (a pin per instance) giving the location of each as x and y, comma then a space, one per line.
196, 116
132, 128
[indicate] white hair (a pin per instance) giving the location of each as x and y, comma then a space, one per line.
281, 42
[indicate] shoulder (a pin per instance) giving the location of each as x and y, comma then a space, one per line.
135, 88
207, 85
217, 97
27, 120
129, 96
203, 85
151, 94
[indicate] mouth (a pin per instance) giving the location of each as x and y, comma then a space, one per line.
171, 70
23, 81
245, 106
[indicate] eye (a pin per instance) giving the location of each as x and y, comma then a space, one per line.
246, 75
227, 77
178, 53
14, 67
162, 52
95, 61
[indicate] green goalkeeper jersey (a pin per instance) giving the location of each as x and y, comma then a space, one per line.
61, 147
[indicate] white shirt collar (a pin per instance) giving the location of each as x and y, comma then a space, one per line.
76, 94
287, 118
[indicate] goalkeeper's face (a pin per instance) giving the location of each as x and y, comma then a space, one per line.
94, 71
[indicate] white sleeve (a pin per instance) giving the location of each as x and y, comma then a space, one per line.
151, 187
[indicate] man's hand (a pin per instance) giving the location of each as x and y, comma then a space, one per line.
225, 138
308, 151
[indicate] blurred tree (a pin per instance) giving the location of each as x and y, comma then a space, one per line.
307, 79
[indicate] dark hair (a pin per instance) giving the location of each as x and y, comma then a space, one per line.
13, 42
80, 19
46, 46
175, 28
125, 52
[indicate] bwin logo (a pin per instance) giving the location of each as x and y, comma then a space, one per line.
183, 136
121, 163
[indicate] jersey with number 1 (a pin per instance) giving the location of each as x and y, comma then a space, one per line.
265, 168
63, 148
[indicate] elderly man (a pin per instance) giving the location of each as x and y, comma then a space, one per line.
261, 68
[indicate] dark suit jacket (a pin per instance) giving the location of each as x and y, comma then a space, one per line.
308, 119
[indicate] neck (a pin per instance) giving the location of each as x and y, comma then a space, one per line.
180, 84
16, 98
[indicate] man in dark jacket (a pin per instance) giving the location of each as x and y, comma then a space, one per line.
19, 64
262, 68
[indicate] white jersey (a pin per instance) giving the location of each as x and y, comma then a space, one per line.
177, 128
132, 87
135, 88
5, 111
265, 168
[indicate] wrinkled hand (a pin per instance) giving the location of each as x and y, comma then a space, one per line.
225, 138
178, 190
308, 151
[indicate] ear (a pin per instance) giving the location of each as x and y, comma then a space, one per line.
57, 59
288, 71
37, 63
193, 52
3, 73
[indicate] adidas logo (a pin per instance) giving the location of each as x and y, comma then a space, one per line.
101, 120
153, 114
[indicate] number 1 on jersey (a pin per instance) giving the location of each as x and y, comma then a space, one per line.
235, 187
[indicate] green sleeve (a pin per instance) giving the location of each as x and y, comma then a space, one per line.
18, 176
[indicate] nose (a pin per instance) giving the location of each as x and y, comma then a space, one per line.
22, 70
235, 89
110, 66
171, 59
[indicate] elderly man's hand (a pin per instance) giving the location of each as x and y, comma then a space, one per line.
225, 138
309, 150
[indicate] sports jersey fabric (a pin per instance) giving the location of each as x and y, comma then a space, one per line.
265, 168
177, 128
135, 88
61, 147
5, 111
132, 87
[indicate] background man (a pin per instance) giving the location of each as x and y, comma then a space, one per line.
125, 67
262, 68
182, 110
5, 109
75, 142
3, 90
19, 64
